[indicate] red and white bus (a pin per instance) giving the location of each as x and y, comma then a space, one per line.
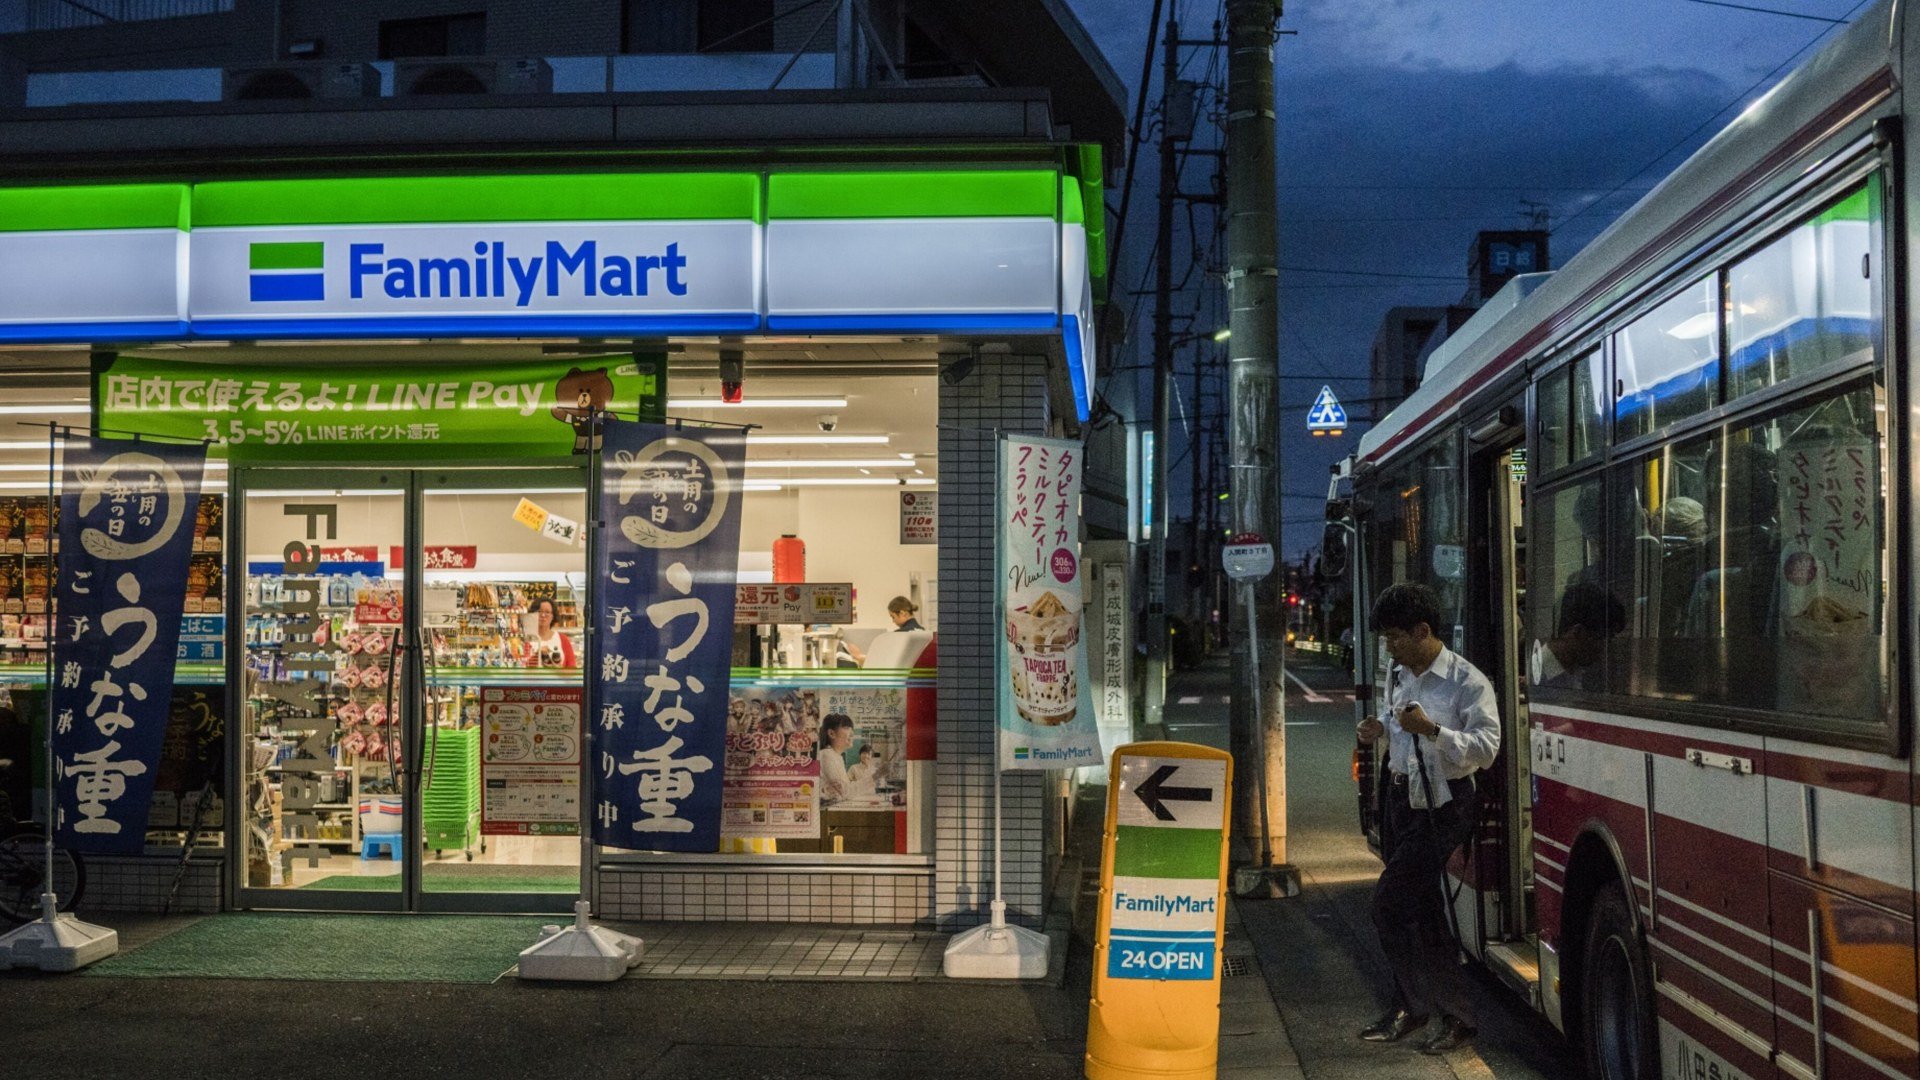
1667, 495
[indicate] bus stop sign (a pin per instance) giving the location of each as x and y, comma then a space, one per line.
1247, 557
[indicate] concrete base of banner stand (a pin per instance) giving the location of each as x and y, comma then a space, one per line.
997, 951
581, 952
57, 942
1266, 882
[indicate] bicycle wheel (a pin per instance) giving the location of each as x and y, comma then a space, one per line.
23, 871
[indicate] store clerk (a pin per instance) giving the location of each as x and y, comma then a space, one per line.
548, 643
902, 612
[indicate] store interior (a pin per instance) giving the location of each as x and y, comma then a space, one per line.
838, 432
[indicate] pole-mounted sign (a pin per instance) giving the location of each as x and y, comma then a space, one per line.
1156, 975
1247, 557
1326, 417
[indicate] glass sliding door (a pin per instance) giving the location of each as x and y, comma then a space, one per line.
322, 688
502, 570
408, 667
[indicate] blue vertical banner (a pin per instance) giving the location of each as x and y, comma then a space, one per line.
125, 535
669, 559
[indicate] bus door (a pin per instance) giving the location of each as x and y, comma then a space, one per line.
1503, 847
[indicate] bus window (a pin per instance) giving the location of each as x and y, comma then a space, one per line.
1805, 302
1570, 611
1550, 405
1589, 394
1816, 632
1659, 563
1668, 361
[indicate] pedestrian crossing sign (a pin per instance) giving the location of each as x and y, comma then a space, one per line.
1326, 417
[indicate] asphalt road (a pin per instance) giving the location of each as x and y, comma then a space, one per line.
1318, 951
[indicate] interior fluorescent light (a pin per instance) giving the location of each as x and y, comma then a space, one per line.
828, 463
850, 481
213, 488
28, 444
757, 485
41, 467
311, 493
757, 439
36, 410
754, 403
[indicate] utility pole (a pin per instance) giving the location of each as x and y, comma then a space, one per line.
1253, 362
1157, 641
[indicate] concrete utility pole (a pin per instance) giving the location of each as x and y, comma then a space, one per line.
1253, 362
1157, 643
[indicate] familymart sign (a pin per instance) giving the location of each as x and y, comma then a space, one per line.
958, 251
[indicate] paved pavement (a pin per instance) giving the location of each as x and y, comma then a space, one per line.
1316, 976
1318, 951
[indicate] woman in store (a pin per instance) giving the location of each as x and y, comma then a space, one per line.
902, 611
550, 647
836, 735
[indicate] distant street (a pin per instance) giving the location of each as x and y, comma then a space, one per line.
1318, 951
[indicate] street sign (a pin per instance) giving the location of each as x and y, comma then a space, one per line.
1247, 557
1156, 970
1326, 417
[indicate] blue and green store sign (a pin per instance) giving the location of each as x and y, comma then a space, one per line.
986, 251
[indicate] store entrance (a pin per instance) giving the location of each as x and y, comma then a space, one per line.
408, 667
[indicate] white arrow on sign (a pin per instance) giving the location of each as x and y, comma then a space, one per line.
1172, 793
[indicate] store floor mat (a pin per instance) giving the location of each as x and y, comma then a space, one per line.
330, 948
462, 877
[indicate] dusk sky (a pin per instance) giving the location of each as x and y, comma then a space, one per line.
1405, 126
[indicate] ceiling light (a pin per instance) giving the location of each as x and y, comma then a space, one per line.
758, 403
759, 485
28, 444
851, 481
757, 439
36, 410
41, 467
210, 488
827, 463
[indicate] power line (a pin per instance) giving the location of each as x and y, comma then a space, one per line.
1704, 124
1769, 11
1371, 273
1139, 117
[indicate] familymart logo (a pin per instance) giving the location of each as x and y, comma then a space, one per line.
286, 271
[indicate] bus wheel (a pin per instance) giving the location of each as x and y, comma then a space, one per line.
1616, 993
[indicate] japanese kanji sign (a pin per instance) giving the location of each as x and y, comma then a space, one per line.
419, 411
1046, 706
126, 532
665, 643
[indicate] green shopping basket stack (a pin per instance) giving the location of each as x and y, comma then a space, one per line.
450, 806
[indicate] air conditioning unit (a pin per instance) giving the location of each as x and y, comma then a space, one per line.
294, 82
431, 76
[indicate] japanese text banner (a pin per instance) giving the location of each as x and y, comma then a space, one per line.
126, 532
671, 504
1046, 704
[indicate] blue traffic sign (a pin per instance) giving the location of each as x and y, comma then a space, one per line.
1326, 416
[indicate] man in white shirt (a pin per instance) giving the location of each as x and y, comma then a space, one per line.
1442, 725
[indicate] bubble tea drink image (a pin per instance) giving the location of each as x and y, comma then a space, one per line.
1043, 629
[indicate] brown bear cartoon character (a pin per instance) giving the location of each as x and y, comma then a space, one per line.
578, 396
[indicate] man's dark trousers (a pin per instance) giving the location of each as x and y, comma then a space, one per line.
1409, 901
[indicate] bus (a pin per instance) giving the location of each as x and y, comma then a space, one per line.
1660, 493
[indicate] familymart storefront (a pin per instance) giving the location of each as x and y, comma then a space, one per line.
430, 405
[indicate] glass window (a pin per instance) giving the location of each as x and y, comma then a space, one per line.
1804, 302
1751, 566
1550, 403
1660, 555
1668, 361
1588, 389
1570, 612
1443, 562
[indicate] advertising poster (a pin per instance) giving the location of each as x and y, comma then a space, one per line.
871, 771
127, 512
1046, 704
294, 412
813, 602
671, 501
530, 760
1830, 572
772, 783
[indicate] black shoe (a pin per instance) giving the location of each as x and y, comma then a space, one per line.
1393, 1027
1453, 1035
